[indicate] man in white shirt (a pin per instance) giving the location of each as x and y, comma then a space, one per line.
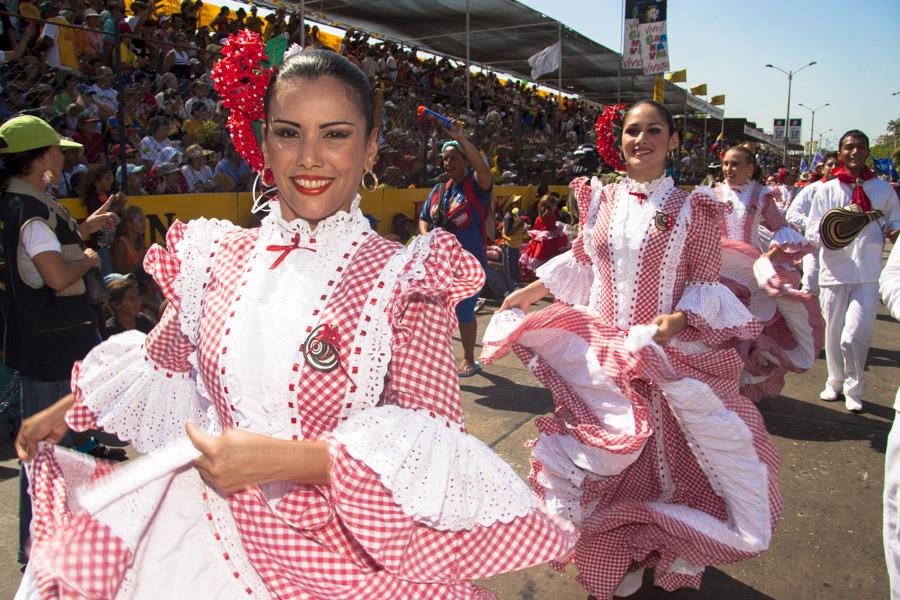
798, 216
848, 277
155, 141
890, 294
104, 93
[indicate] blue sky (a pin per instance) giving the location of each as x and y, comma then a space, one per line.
725, 43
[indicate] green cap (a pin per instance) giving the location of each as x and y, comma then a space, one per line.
28, 133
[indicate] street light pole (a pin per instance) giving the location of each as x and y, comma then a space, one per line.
787, 120
822, 134
813, 124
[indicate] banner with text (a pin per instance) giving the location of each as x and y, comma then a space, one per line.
794, 131
646, 42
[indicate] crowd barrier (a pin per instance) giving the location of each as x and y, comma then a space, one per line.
382, 204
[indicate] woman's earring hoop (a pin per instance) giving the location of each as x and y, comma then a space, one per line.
373, 178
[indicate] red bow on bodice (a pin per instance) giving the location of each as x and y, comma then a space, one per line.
640, 196
287, 249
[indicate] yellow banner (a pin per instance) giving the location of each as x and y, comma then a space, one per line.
677, 76
717, 100
699, 90
659, 90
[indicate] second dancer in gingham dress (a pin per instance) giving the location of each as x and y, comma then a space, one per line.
652, 452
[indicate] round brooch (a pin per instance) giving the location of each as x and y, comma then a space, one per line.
320, 349
663, 221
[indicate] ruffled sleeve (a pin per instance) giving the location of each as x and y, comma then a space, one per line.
714, 314
421, 495
142, 387
785, 237
569, 276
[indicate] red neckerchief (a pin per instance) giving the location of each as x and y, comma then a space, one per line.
859, 194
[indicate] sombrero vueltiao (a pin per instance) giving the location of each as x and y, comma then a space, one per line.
840, 226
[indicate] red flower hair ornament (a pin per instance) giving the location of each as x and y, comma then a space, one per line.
609, 134
241, 82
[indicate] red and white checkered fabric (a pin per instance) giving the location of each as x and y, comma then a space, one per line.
350, 539
623, 525
762, 377
73, 555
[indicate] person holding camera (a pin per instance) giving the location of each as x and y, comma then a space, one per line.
459, 206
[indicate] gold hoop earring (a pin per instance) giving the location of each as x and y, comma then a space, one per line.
374, 186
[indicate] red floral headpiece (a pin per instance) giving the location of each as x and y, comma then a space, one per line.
609, 131
241, 82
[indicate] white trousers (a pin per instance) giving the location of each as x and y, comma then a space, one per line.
891, 523
810, 279
849, 311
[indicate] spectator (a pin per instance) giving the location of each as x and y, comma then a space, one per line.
125, 303
96, 189
104, 93
232, 174
70, 178
167, 179
200, 90
136, 179
87, 135
129, 247
197, 174
90, 43
459, 206
49, 323
199, 128
57, 38
155, 141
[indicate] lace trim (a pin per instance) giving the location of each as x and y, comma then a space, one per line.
224, 533
589, 249
134, 398
196, 253
648, 187
790, 241
437, 474
331, 230
672, 256
371, 358
715, 305
568, 280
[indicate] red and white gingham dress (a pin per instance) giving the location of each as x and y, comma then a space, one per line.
652, 452
793, 332
415, 507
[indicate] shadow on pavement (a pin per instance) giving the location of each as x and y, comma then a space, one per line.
799, 420
716, 584
505, 394
880, 357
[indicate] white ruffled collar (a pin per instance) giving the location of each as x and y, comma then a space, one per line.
337, 228
649, 187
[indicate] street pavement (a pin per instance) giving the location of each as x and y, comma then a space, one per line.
827, 545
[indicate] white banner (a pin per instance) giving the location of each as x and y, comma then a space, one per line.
794, 131
546, 61
704, 106
654, 47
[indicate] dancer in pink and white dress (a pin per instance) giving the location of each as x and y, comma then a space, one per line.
767, 283
325, 454
652, 451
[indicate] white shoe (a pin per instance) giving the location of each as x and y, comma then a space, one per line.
828, 394
852, 404
630, 584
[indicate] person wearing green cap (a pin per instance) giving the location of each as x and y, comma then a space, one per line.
49, 322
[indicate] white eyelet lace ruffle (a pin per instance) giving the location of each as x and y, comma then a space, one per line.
134, 398
437, 474
330, 229
568, 280
648, 187
715, 305
196, 253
